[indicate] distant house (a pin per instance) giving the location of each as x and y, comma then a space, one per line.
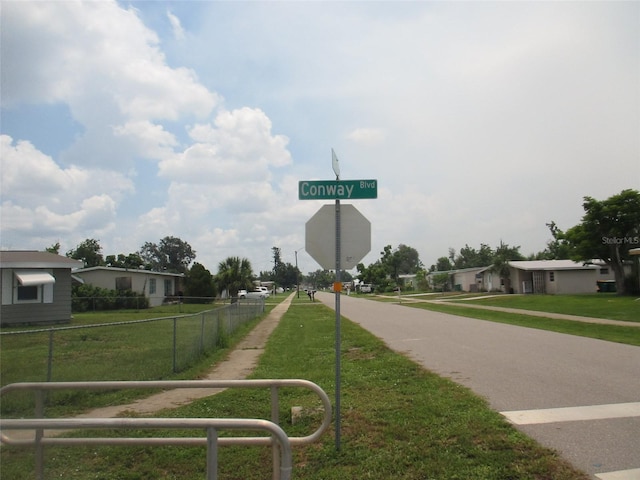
536, 276
156, 286
553, 276
36, 287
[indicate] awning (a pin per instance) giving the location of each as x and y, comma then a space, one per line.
28, 278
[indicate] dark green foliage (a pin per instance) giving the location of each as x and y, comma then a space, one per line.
87, 298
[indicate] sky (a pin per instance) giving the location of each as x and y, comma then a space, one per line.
127, 122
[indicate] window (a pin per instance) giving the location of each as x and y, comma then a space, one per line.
30, 293
33, 286
552, 276
123, 283
167, 288
152, 286
604, 271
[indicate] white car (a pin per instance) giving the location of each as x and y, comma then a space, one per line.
366, 288
242, 294
265, 290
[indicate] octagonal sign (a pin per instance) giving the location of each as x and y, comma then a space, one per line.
355, 234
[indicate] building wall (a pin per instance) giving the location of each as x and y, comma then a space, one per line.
140, 282
572, 281
56, 311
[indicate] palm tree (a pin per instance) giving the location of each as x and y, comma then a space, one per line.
234, 274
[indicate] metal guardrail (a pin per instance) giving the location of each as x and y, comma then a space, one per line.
210, 425
40, 424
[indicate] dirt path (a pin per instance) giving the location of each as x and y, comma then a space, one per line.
241, 361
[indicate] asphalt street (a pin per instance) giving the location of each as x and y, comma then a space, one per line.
539, 380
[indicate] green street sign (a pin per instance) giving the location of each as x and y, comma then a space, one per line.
337, 189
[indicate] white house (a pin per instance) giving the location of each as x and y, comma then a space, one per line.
553, 276
156, 286
35, 286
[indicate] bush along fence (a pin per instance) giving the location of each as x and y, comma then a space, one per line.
150, 349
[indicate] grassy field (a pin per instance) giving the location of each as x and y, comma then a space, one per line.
398, 421
606, 305
139, 351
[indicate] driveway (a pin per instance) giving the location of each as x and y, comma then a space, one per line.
577, 395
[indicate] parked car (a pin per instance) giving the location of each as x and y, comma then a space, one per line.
242, 294
265, 290
366, 288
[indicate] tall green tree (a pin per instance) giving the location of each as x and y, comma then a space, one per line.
89, 251
400, 261
234, 274
443, 264
609, 229
132, 260
469, 257
171, 254
199, 284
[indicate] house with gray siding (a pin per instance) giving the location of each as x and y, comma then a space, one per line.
35, 287
157, 287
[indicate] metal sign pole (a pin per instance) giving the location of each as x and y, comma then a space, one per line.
338, 347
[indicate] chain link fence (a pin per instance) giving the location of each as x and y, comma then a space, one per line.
151, 349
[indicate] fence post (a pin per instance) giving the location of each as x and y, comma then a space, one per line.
50, 358
202, 333
212, 454
175, 345
39, 453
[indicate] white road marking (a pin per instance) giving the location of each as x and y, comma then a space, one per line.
572, 414
633, 474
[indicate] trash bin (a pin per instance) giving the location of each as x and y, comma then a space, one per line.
606, 286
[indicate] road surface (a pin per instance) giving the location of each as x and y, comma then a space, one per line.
577, 395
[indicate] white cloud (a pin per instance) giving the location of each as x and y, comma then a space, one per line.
40, 197
178, 31
237, 148
105, 64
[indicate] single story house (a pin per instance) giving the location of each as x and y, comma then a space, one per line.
553, 276
155, 286
532, 276
35, 286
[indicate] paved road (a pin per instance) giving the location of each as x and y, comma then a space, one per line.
523, 373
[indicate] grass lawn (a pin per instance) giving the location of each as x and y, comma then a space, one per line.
603, 305
139, 351
399, 421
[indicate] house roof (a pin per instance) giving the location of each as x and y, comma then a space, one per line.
80, 271
35, 259
550, 265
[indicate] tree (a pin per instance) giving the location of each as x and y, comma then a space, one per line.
171, 254
321, 278
469, 257
89, 252
500, 264
402, 260
132, 260
234, 274
442, 265
199, 283
609, 229
55, 248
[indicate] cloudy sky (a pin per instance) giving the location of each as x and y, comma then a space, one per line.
130, 121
